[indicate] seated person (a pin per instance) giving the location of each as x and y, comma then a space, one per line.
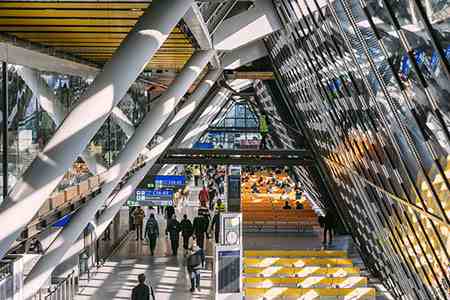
285, 196
298, 194
299, 205
255, 188
286, 205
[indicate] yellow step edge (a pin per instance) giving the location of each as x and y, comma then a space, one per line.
309, 282
276, 293
296, 262
302, 272
295, 253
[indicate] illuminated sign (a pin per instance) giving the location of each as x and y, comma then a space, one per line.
169, 181
146, 197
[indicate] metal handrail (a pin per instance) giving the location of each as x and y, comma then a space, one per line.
59, 285
5, 271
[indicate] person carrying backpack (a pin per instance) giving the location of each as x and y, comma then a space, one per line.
186, 232
152, 232
173, 230
194, 264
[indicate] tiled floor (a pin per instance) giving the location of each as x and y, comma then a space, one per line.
167, 274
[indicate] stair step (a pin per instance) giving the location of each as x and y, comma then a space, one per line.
309, 282
295, 253
302, 272
296, 262
310, 294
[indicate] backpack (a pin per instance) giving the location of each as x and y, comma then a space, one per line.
152, 229
194, 260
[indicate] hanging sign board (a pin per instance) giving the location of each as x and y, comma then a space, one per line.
169, 181
144, 197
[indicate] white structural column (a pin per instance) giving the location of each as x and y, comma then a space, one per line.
116, 201
168, 135
244, 55
49, 103
80, 126
142, 136
246, 27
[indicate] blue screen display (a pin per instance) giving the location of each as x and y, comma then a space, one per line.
154, 197
170, 181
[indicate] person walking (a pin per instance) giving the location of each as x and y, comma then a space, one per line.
211, 194
194, 264
152, 233
170, 211
200, 228
329, 223
186, 232
142, 291
196, 173
138, 220
215, 225
173, 231
203, 196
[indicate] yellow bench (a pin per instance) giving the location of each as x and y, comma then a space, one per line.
303, 272
295, 253
310, 282
296, 262
309, 294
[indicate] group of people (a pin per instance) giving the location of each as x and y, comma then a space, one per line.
276, 184
193, 232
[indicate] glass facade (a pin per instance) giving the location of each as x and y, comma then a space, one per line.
369, 82
236, 127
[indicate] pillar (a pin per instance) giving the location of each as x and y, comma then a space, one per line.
150, 125
80, 126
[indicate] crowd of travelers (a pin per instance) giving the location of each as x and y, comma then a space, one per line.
193, 233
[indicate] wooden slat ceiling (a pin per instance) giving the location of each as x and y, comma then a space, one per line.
91, 30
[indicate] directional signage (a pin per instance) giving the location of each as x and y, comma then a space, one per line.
145, 197
169, 181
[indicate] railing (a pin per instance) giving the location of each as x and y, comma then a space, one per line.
66, 201
5, 271
65, 289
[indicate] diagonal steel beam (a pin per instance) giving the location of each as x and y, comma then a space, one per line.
80, 126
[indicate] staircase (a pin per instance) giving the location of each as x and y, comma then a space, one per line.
303, 275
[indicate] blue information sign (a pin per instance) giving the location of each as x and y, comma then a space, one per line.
146, 197
203, 145
170, 181
63, 221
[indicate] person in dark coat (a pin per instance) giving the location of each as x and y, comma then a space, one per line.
329, 223
173, 230
152, 232
200, 228
170, 211
186, 232
215, 224
142, 291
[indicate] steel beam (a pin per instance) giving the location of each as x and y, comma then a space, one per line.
246, 27
142, 136
80, 126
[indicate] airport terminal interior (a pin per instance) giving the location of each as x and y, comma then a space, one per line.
225, 149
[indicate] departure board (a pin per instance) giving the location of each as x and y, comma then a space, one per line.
229, 272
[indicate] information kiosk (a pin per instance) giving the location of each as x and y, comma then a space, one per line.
228, 258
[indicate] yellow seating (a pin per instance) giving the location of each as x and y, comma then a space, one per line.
308, 282
309, 294
303, 271
296, 262
295, 253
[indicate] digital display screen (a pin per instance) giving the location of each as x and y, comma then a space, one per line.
229, 272
163, 181
154, 197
